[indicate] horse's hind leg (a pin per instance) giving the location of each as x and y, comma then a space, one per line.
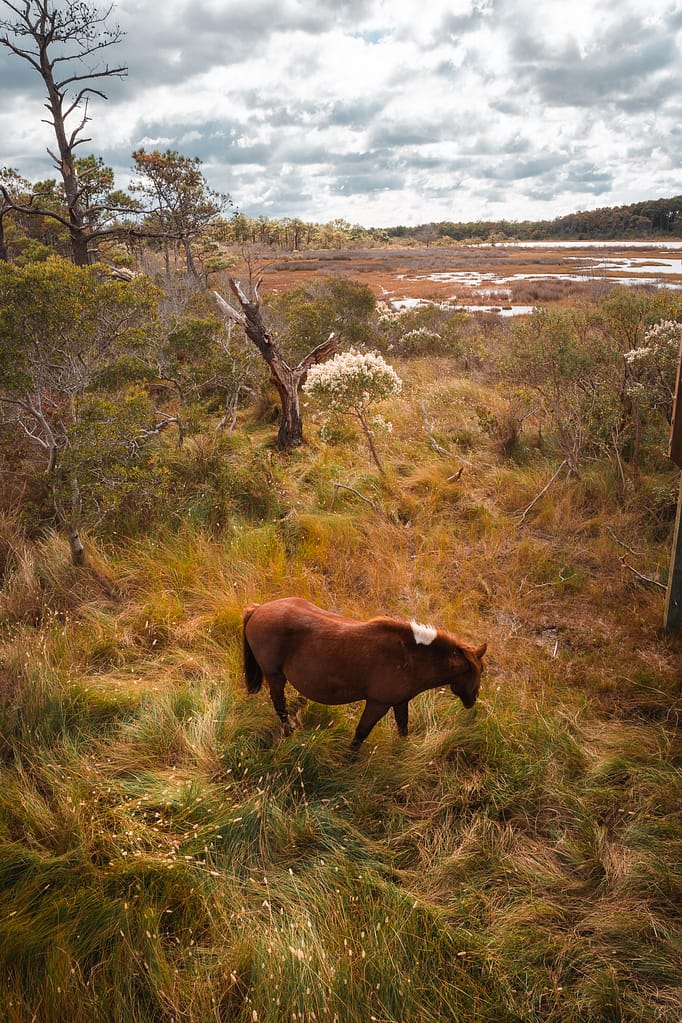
372, 713
400, 714
276, 682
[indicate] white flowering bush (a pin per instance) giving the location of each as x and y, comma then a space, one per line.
420, 340
352, 380
388, 316
652, 368
350, 384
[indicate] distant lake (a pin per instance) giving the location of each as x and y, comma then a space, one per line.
507, 278
593, 245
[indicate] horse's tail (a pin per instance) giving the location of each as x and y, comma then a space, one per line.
252, 669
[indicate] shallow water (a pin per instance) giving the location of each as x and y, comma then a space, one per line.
627, 270
493, 275
506, 310
672, 244
619, 265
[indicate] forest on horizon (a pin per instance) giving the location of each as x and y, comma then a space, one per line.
654, 218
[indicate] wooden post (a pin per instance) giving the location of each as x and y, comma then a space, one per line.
673, 600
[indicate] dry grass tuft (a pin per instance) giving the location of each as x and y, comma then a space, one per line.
166, 853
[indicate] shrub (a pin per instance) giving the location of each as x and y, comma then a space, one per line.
652, 367
350, 383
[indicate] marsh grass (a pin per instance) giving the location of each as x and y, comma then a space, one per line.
167, 854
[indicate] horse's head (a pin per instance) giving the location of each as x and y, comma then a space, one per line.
468, 680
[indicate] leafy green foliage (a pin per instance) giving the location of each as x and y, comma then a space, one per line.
547, 356
595, 374
204, 358
304, 317
119, 478
60, 327
629, 312
178, 201
60, 324
652, 368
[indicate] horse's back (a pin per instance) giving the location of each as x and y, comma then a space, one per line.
271, 627
322, 654
291, 611
296, 616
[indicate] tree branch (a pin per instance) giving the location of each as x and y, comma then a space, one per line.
229, 310
116, 72
544, 490
318, 354
343, 486
642, 578
24, 54
239, 292
621, 544
161, 426
30, 209
427, 425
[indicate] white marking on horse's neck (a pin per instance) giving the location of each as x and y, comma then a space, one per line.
424, 634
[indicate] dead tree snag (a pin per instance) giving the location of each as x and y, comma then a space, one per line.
287, 379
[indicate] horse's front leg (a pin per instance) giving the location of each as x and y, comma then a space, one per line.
372, 713
400, 714
276, 682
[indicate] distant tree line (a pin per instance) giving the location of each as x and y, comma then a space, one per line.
655, 218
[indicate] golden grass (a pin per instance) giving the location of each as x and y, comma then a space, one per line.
166, 854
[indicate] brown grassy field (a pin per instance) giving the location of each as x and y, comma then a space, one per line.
398, 274
167, 855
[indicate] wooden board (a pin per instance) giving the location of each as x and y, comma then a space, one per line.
675, 449
672, 618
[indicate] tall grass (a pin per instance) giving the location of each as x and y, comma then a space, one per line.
167, 854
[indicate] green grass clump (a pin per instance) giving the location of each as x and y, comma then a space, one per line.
167, 854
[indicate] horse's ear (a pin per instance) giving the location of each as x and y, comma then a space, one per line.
481, 650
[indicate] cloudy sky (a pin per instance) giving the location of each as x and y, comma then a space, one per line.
388, 112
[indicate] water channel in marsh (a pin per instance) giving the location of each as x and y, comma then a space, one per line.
510, 278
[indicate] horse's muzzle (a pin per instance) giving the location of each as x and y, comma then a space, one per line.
468, 699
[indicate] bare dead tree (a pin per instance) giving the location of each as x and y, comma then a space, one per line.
287, 379
60, 41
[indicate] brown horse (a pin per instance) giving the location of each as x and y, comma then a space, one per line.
331, 659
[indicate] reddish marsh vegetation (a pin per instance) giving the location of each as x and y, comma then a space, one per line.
533, 275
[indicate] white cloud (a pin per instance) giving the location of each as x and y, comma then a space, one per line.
385, 111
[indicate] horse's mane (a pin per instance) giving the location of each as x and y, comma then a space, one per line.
406, 631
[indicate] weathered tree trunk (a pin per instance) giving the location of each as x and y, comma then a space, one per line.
192, 272
4, 252
66, 162
79, 246
287, 380
70, 520
290, 433
75, 546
